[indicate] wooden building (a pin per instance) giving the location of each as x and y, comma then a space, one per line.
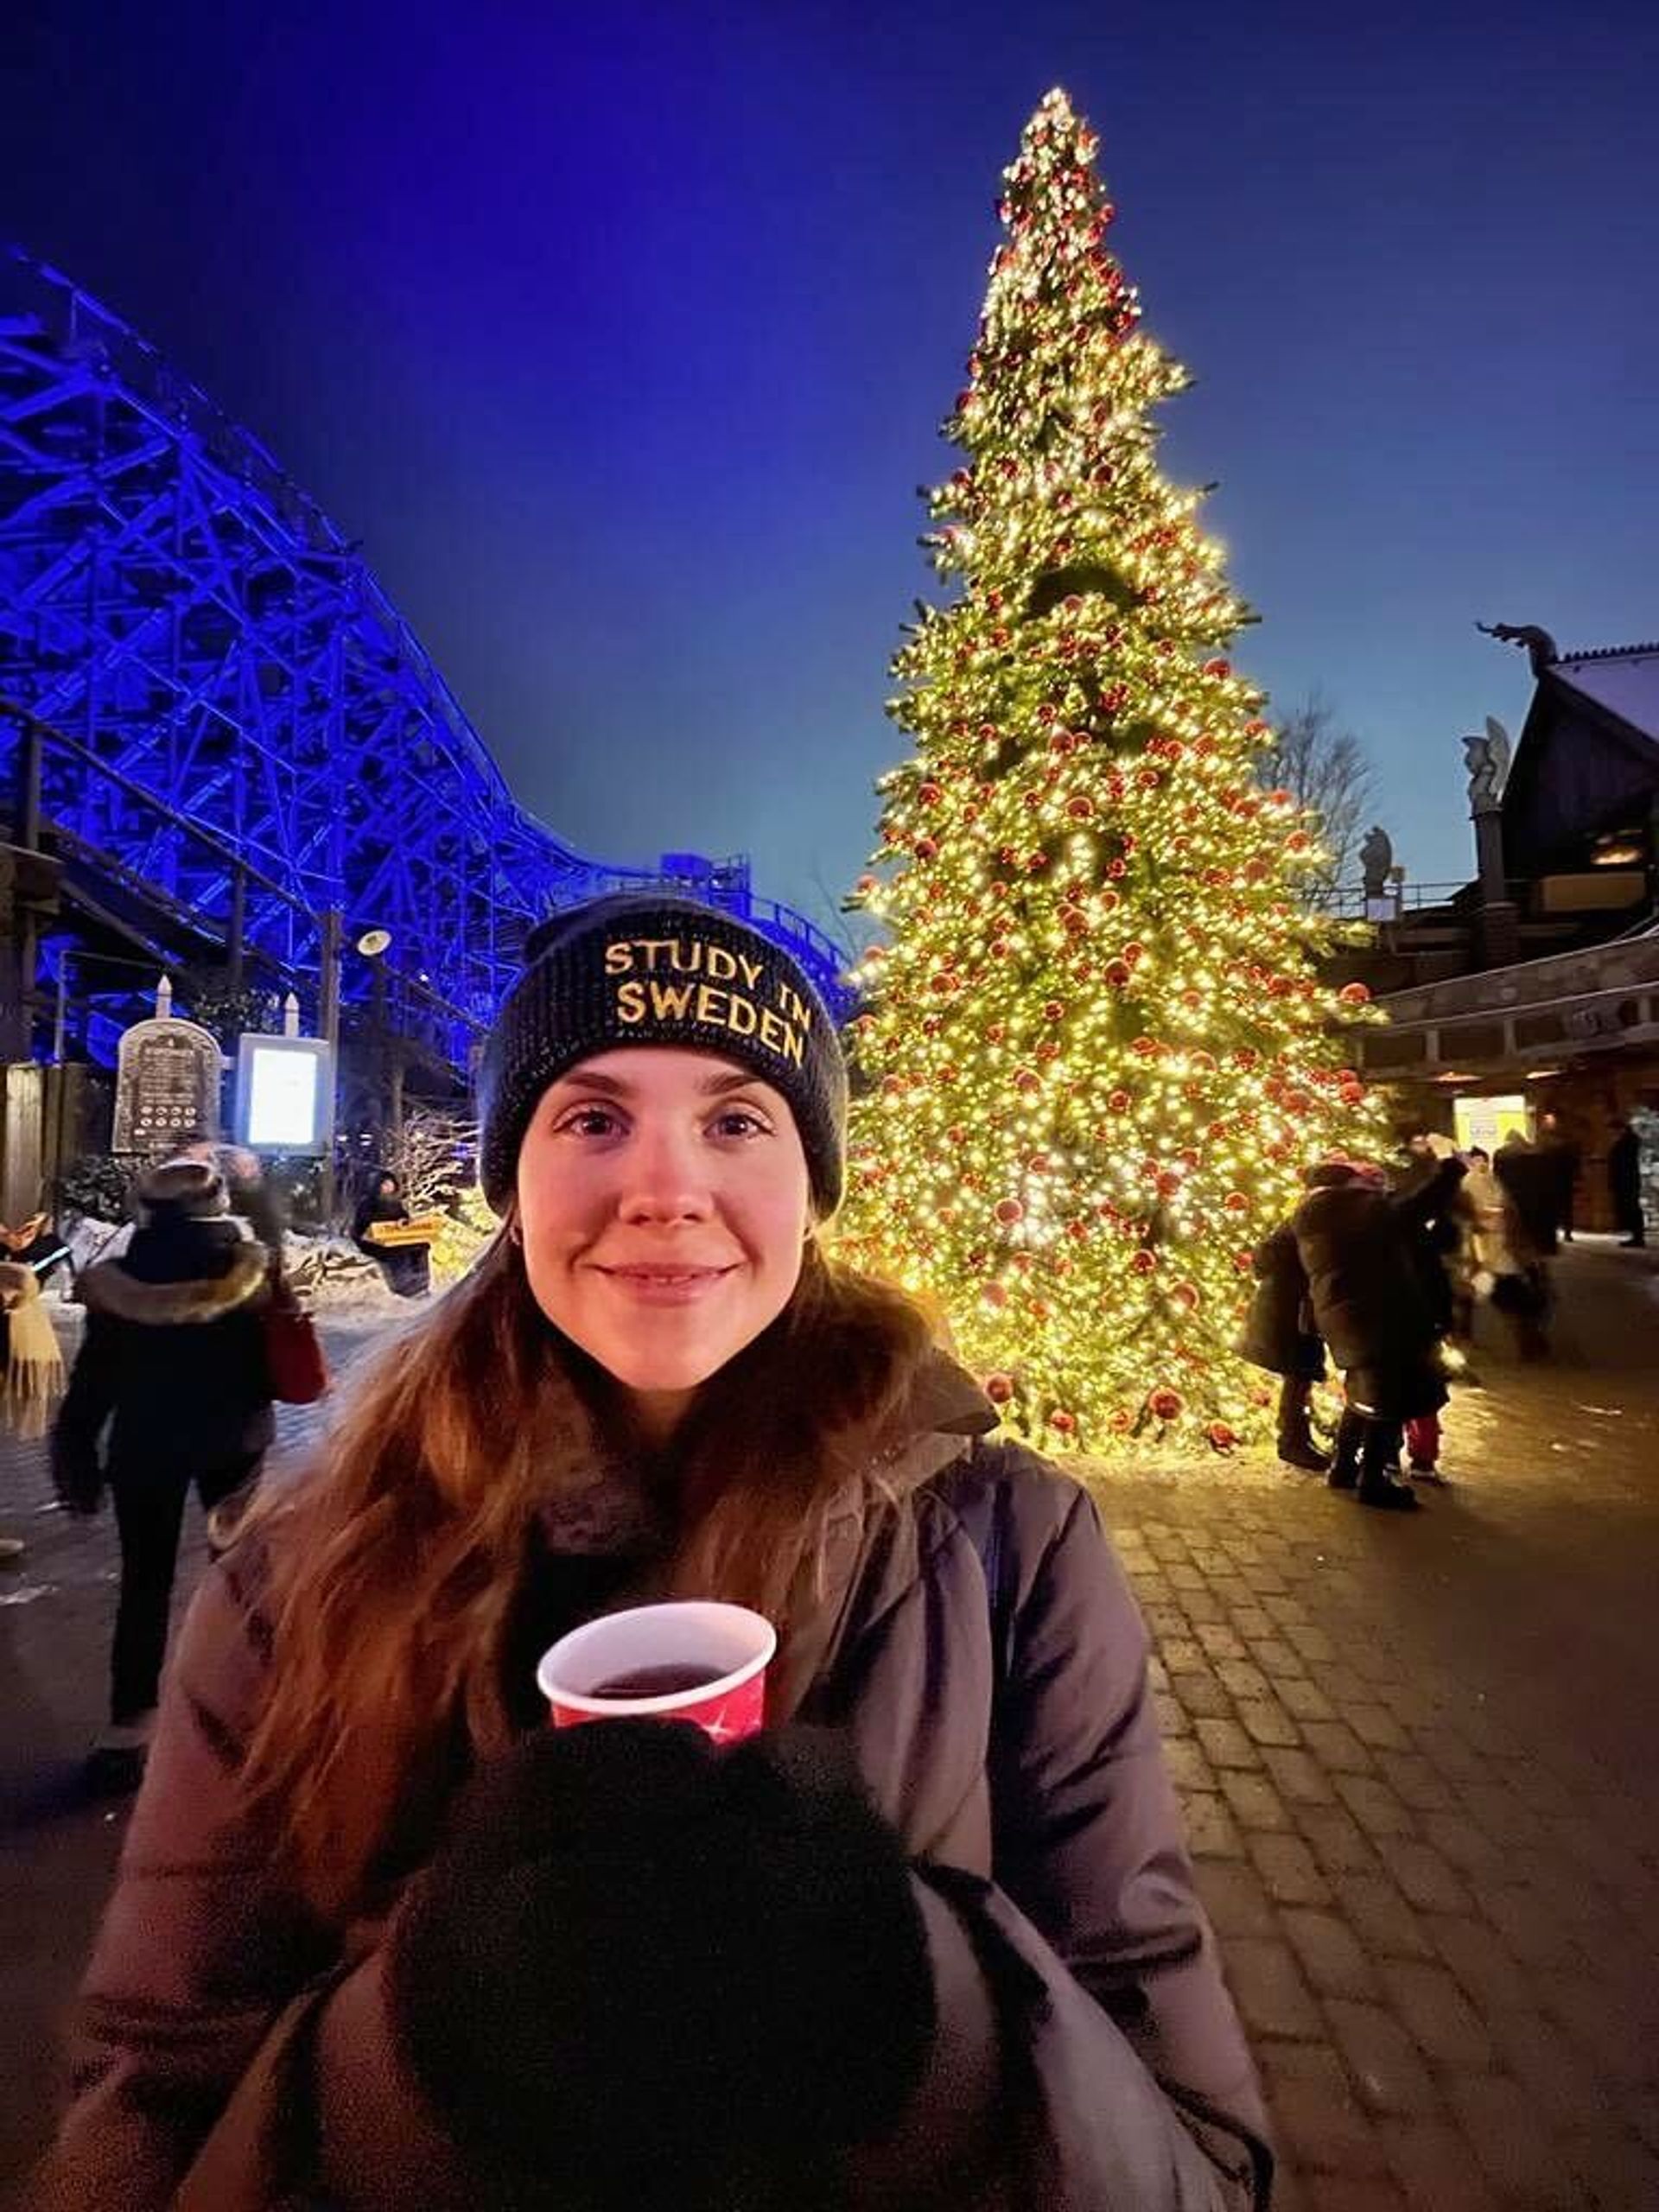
1536, 987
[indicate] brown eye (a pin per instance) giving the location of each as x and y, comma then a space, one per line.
587, 1122
739, 1123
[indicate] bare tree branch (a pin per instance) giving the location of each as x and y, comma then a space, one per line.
1327, 770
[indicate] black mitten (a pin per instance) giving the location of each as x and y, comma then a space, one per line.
639, 1962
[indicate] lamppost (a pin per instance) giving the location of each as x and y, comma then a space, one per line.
372, 945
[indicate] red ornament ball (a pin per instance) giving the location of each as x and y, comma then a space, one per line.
1008, 1211
1355, 993
1186, 1295
1142, 1262
1220, 1436
1166, 1404
1118, 1102
999, 1388
1064, 1423
994, 1294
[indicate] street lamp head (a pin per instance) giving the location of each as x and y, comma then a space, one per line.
372, 942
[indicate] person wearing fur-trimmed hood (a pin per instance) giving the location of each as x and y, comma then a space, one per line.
173, 1360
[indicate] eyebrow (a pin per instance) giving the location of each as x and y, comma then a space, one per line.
612, 1086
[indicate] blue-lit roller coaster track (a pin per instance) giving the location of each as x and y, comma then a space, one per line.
218, 728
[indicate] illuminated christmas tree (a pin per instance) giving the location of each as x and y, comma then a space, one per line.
1094, 1053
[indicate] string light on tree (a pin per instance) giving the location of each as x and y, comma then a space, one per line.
1096, 1054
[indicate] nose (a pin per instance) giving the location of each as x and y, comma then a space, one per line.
664, 1177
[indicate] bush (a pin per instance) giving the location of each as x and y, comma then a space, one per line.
96, 1185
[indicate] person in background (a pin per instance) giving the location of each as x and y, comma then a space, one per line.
1625, 1185
31, 1364
1279, 1336
1526, 1297
1432, 1219
35, 1244
1357, 1243
251, 1199
383, 1939
1562, 1156
407, 1267
174, 1358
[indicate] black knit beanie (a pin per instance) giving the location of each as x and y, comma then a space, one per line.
639, 968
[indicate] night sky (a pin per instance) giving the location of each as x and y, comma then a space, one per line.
620, 336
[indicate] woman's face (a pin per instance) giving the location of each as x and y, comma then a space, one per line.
664, 1204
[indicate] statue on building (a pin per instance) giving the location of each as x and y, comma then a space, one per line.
1541, 646
1375, 859
1488, 761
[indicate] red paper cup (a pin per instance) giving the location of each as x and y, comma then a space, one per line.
694, 1660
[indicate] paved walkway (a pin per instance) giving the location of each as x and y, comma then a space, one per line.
1417, 1757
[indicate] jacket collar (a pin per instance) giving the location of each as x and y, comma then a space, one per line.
107, 1288
599, 1509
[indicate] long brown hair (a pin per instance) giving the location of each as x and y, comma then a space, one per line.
396, 1562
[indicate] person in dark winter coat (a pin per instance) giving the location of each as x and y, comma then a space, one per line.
1356, 1239
407, 1267
383, 1939
1563, 1156
173, 1358
1624, 1184
1533, 1181
1433, 1219
1279, 1336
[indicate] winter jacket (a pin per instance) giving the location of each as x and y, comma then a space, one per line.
236, 2055
1433, 1218
1279, 1332
1496, 1244
175, 1350
1624, 1173
1533, 1182
377, 1206
1358, 1246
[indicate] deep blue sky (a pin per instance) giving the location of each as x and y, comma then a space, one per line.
620, 335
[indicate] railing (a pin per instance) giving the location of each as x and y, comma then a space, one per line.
1349, 902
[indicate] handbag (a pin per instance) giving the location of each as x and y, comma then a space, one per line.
298, 1373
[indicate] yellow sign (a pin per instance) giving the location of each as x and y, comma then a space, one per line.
1487, 1121
719, 991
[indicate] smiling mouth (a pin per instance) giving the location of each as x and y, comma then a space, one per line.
663, 1281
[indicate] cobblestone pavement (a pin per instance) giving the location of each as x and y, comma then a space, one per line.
1416, 1756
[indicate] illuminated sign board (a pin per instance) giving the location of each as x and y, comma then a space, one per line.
284, 1094
1487, 1121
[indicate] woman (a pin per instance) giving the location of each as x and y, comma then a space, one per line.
1279, 1335
174, 1350
407, 1267
1358, 1242
383, 1939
